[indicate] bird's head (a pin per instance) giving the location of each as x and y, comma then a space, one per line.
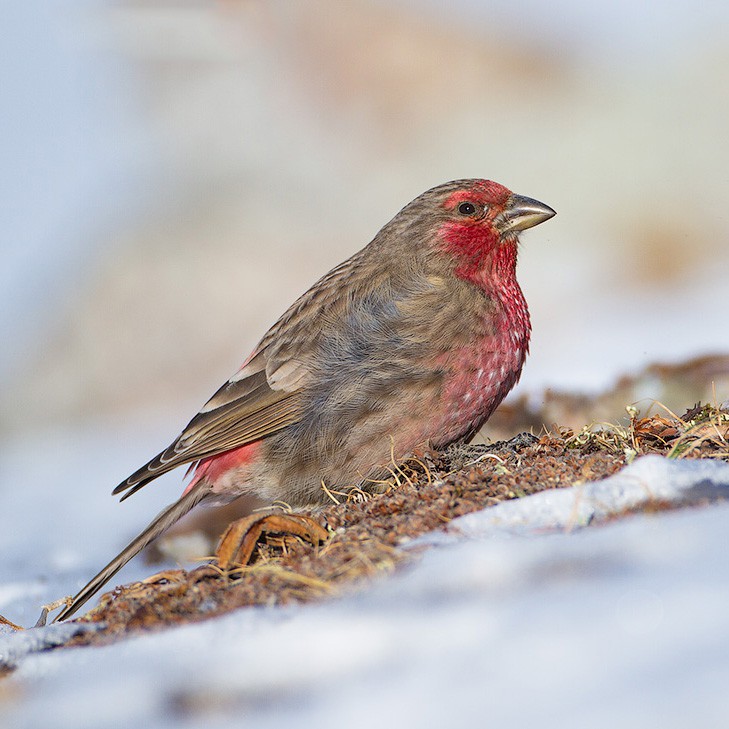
478, 223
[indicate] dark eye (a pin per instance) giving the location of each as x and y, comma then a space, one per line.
466, 208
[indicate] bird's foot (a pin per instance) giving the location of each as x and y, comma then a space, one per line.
236, 546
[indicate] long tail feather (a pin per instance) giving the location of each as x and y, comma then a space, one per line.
161, 523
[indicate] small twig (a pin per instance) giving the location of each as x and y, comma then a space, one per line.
329, 493
63, 601
10, 623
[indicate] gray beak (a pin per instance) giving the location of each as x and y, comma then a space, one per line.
522, 213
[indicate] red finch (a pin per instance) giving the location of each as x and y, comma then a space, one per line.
414, 340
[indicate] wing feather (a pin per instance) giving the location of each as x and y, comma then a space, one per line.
260, 412
266, 394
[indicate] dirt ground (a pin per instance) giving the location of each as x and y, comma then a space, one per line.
365, 535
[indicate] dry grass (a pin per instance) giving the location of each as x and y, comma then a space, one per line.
702, 432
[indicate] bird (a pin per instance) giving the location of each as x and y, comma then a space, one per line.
411, 342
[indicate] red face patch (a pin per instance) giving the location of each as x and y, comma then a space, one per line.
474, 240
483, 193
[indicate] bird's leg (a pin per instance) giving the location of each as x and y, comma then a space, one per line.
236, 546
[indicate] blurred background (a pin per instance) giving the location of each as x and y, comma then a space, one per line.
175, 173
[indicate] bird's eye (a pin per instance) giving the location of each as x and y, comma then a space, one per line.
466, 208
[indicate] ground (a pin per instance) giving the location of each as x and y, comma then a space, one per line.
371, 534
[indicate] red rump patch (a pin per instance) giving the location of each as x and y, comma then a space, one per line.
214, 467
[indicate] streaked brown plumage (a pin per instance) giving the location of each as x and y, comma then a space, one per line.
413, 340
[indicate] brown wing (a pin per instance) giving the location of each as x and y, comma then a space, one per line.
243, 410
264, 396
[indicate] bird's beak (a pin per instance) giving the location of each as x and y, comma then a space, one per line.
522, 213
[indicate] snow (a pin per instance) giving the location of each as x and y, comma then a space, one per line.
526, 614
651, 478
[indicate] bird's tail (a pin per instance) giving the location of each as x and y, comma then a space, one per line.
161, 523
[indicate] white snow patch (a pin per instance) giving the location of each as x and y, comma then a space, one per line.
650, 478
